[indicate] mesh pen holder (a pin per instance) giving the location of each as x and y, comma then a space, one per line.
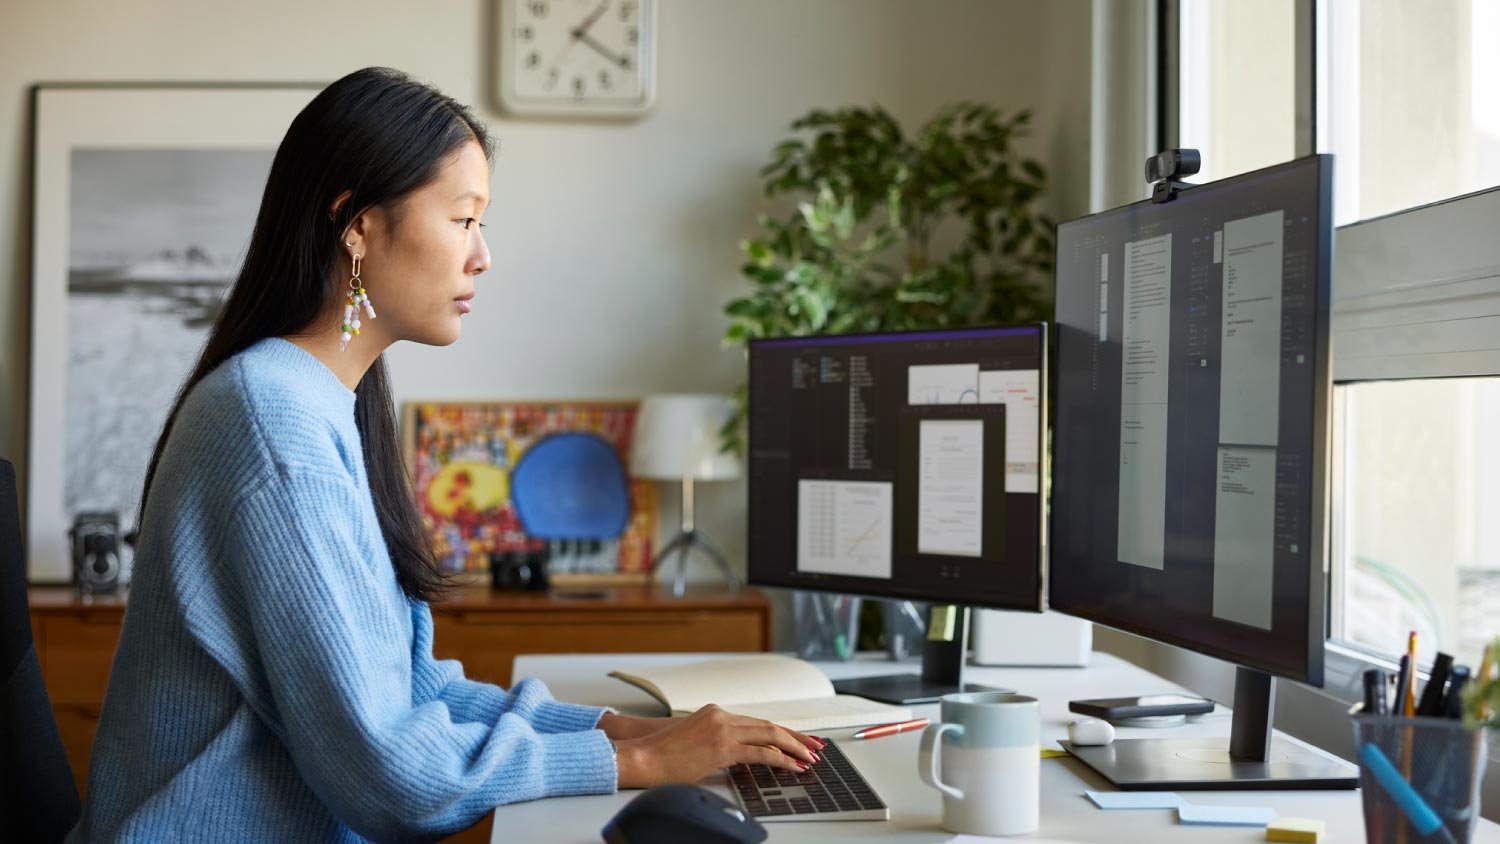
826, 625
1419, 778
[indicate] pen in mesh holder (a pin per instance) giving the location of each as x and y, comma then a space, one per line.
1419, 778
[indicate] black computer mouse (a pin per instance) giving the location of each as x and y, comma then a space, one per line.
682, 814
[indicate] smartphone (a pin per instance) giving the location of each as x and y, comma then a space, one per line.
1145, 706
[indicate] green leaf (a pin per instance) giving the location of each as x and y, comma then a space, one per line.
816, 310
843, 222
740, 308
758, 251
812, 215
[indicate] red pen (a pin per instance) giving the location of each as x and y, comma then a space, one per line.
890, 729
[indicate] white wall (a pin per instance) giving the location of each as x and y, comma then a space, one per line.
614, 244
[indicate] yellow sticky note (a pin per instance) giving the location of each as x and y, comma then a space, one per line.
1295, 829
942, 625
1049, 753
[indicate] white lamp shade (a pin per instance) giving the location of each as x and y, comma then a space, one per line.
677, 437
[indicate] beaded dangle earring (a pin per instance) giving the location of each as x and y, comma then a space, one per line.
357, 299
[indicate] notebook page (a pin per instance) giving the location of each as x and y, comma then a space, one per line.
754, 679
824, 713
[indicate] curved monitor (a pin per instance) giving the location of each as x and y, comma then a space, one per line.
1189, 475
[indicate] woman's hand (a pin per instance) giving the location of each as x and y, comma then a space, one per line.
689, 749
623, 727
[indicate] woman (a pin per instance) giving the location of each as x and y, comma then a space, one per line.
274, 679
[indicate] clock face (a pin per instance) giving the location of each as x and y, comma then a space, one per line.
591, 57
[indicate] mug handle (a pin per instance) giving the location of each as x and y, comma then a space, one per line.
927, 758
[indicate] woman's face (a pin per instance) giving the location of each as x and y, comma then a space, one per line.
419, 267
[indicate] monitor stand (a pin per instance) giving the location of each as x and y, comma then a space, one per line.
1250, 759
942, 672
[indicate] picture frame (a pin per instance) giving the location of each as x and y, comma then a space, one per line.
479, 443
144, 195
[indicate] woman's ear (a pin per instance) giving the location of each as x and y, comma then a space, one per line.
338, 202
354, 233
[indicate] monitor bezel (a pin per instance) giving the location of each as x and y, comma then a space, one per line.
1037, 603
1315, 621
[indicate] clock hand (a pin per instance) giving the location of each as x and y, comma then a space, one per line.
622, 61
566, 48
556, 60
589, 21
577, 33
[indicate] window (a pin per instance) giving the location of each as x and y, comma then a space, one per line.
1408, 101
1237, 84
1419, 544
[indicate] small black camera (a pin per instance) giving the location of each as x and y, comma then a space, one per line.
525, 570
96, 552
1172, 164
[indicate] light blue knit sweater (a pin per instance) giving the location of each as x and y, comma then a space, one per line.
272, 682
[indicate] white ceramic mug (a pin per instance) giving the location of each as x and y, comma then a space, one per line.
990, 762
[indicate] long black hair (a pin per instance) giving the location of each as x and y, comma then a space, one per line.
381, 135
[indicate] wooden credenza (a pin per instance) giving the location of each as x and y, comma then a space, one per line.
483, 629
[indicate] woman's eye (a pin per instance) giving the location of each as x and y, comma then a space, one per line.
467, 220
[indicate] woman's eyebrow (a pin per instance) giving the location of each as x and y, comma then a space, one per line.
471, 195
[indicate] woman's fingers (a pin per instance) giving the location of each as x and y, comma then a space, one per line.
813, 742
767, 734
771, 755
798, 745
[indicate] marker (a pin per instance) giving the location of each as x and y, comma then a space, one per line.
1432, 696
891, 729
1403, 795
1453, 705
1375, 683
1403, 679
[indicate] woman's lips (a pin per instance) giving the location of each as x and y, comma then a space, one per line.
463, 305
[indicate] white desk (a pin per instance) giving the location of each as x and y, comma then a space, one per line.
890, 765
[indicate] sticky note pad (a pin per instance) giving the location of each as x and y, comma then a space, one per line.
1304, 830
1224, 815
942, 623
1135, 799
1049, 753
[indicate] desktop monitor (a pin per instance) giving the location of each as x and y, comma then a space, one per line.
901, 465
1189, 471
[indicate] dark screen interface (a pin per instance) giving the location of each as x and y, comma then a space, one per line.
899, 465
1188, 367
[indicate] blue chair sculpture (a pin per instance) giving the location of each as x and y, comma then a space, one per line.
571, 486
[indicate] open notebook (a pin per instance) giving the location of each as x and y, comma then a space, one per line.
781, 689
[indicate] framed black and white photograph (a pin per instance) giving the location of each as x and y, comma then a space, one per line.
144, 201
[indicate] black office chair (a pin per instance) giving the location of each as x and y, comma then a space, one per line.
38, 799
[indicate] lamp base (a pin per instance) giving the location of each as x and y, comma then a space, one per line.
682, 544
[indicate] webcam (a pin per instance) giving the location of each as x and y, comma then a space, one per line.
1173, 164
1165, 169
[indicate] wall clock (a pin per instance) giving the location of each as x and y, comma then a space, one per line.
584, 58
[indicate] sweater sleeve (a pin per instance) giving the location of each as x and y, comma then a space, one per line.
475, 701
319, 647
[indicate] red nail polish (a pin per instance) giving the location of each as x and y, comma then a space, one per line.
802, 765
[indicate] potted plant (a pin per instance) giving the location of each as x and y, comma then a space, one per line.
894, 232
